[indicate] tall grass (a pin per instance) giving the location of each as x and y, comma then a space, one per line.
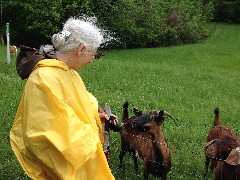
188, 81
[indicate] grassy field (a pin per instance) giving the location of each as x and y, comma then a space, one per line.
188, 81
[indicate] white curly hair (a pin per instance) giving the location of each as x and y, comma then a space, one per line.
76, 31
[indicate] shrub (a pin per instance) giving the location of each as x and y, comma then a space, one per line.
134, 23
149, 23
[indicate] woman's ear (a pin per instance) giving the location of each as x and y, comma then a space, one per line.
81, 49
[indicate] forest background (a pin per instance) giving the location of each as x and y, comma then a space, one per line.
132, 23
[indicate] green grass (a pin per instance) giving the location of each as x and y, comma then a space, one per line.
188, 81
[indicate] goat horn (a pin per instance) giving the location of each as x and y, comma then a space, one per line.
171, 116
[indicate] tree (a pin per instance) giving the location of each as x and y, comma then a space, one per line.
33, 22
227, 10
133, 23
1, 25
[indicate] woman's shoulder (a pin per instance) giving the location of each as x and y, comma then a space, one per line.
48, 70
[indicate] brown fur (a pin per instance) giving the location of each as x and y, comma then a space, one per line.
214, 134
97, 55
226, 150
218, 130
149, 143
13, 50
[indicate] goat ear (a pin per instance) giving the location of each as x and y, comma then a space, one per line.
234, 157
207, 144
161, 113
160, 117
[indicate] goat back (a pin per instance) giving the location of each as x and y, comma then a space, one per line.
218, 131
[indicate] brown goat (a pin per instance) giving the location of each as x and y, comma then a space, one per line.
142, 134
226, 150
97, 55
13, 50
215, 133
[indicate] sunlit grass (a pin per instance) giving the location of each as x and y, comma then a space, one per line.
188, 81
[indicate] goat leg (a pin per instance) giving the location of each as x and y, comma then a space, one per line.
121, 154
135, 162
207, 161
145, 175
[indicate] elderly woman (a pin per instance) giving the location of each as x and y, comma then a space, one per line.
57, 133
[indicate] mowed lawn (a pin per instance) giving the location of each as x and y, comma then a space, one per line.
188, 81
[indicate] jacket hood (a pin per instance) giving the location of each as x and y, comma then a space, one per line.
51, 63
27, 59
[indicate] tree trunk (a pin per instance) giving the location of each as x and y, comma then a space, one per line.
1, 37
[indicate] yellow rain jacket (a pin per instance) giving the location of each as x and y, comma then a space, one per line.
57, 132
